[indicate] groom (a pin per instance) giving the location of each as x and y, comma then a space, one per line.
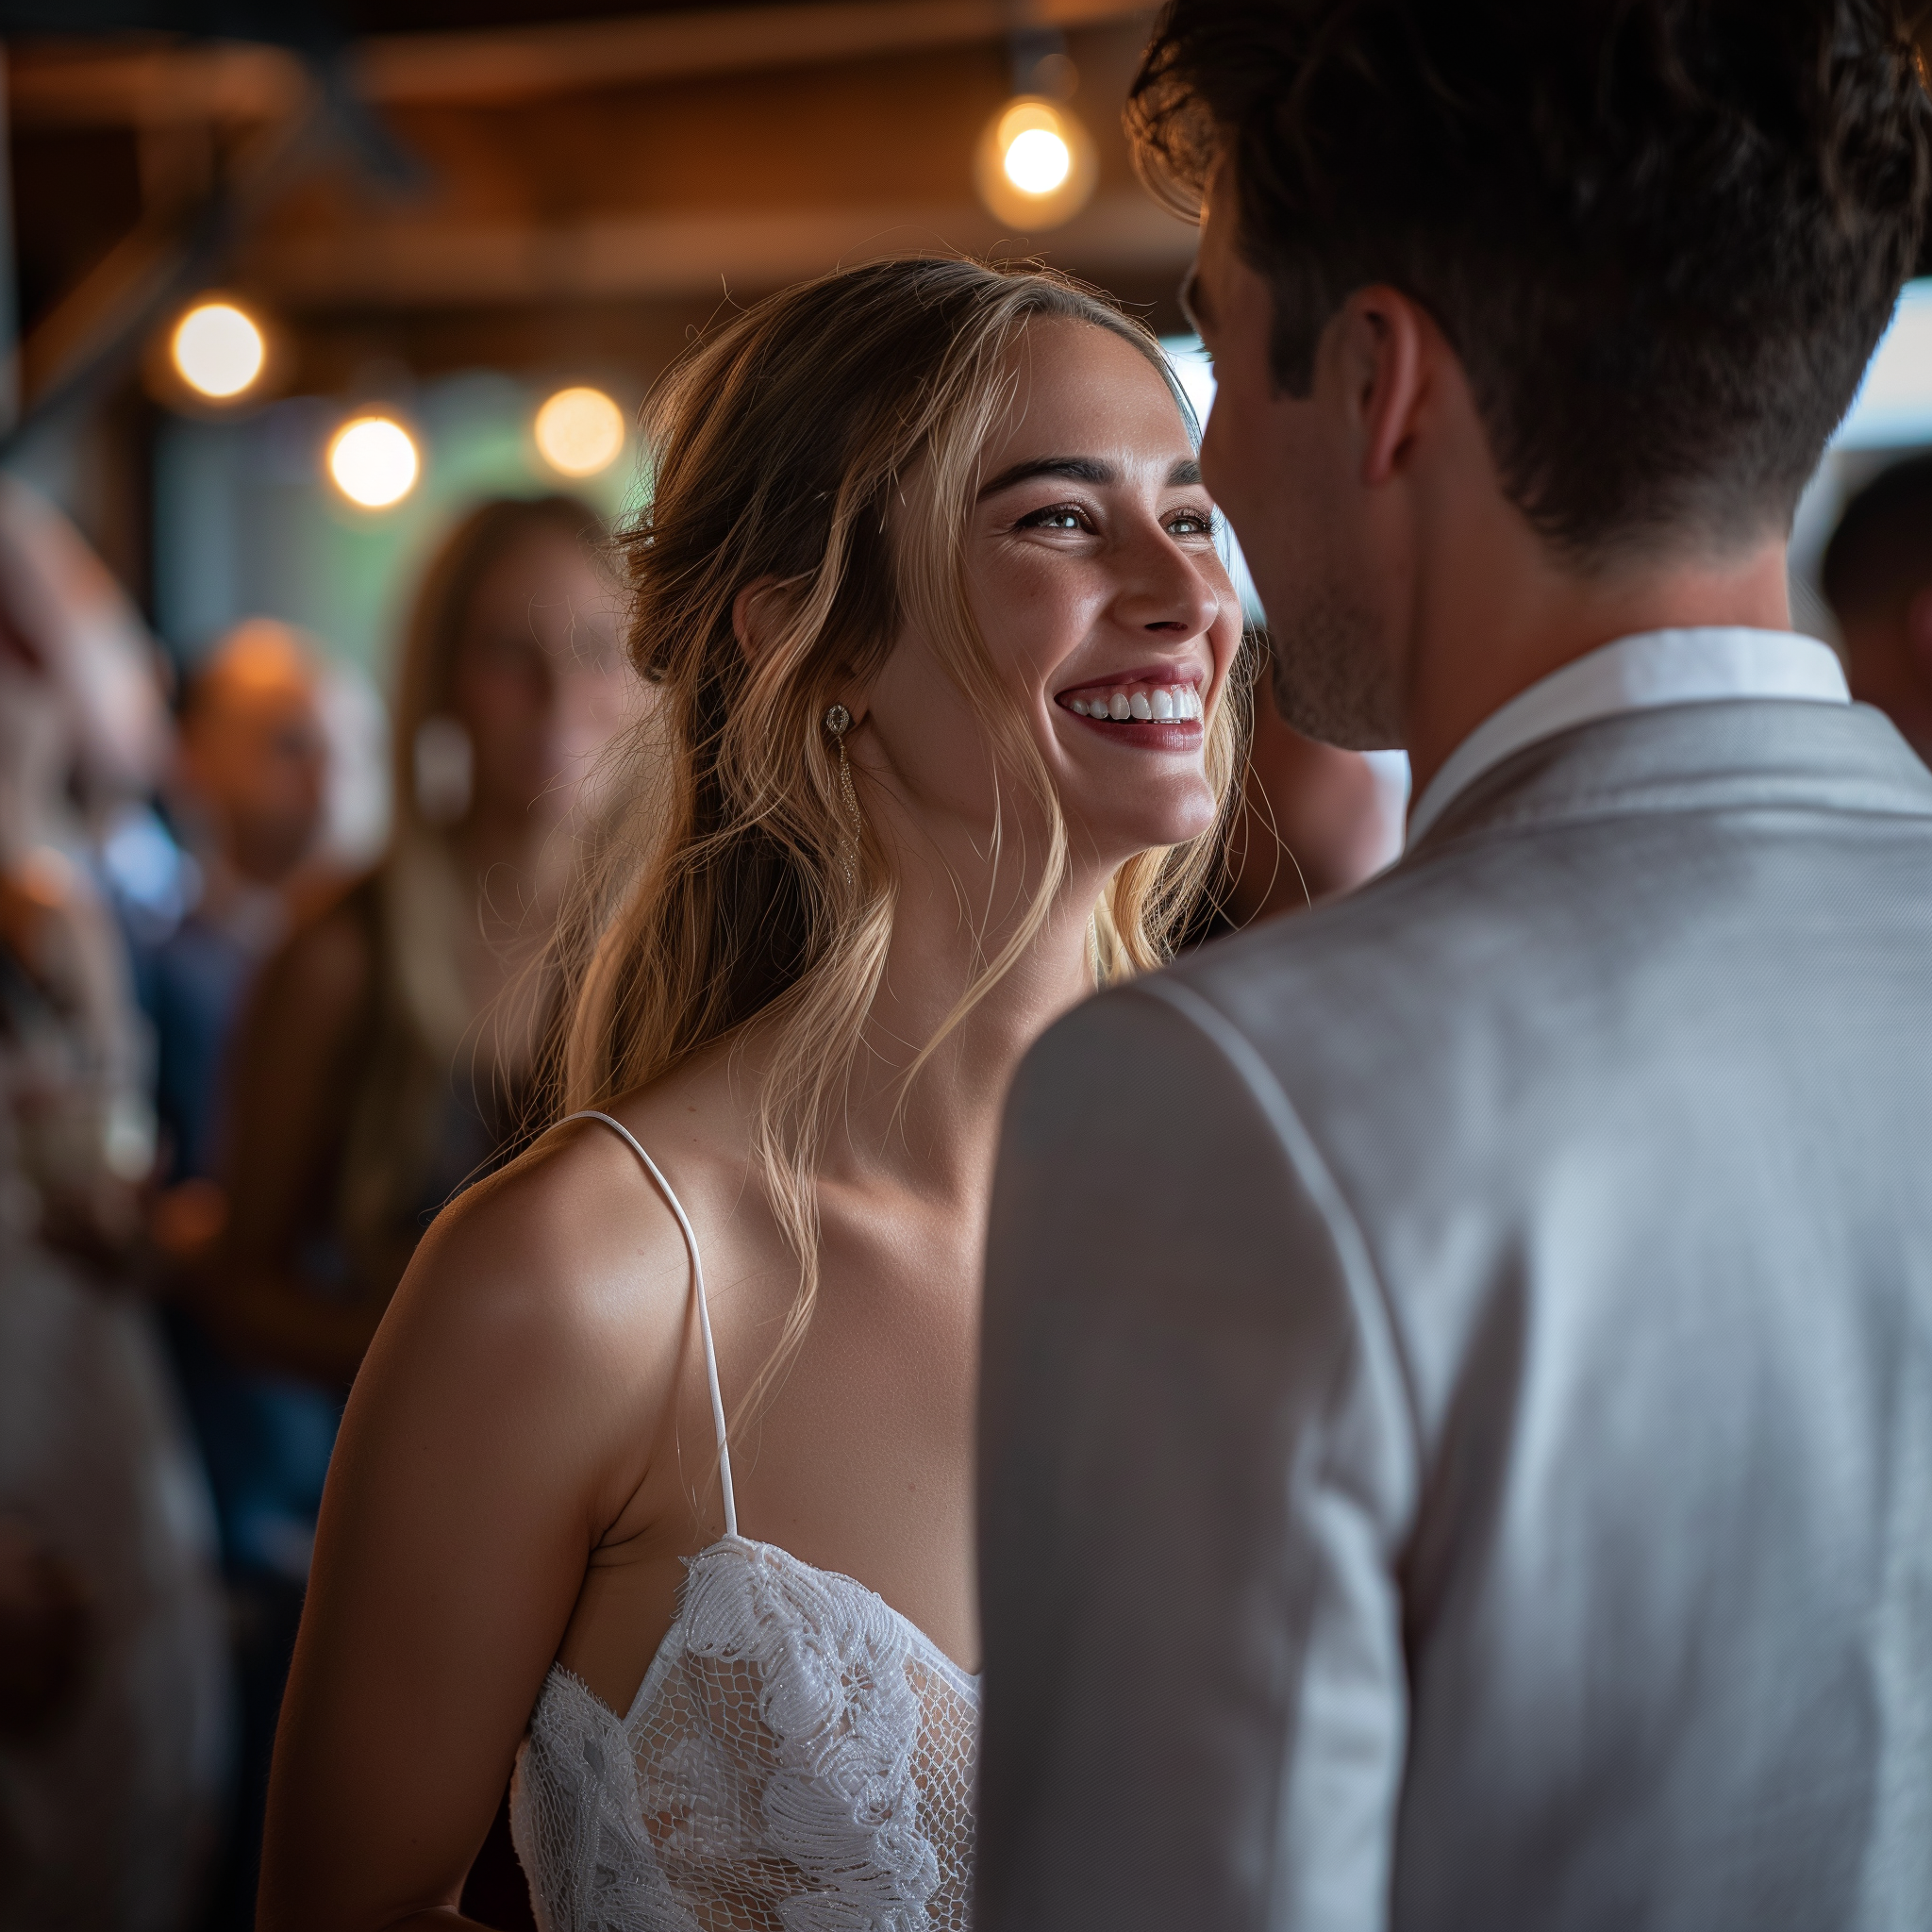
1457, 1405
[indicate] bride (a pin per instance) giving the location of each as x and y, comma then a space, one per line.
657, 1481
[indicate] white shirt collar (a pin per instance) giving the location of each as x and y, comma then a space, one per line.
1653, 667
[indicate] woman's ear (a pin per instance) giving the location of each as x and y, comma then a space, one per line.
753, 612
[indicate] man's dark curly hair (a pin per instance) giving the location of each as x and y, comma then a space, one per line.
1663, 236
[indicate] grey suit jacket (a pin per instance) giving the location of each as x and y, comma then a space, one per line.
1457, 1428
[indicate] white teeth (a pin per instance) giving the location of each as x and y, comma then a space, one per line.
1160, 703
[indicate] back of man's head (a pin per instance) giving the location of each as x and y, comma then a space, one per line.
1662, 236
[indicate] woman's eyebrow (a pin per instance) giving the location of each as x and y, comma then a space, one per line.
1076, 468
1184, 472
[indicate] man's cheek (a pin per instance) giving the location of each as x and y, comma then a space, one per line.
1221, 466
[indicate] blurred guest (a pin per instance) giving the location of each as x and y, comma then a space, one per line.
107, 668
1878, 582
1315, 821
65, 604
251, 776
384, 1061
113, 1689
248, 795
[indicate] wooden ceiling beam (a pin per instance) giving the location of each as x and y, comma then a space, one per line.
668, 255
77, 84
80, 84
516, 62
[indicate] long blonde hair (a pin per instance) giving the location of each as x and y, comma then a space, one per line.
728, 886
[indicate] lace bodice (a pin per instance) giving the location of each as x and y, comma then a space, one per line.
798, 1759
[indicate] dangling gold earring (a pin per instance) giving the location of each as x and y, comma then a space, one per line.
838, 722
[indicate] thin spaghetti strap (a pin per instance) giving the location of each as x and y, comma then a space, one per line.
697, 1275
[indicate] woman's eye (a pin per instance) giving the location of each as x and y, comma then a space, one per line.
1191, 522
1061, 516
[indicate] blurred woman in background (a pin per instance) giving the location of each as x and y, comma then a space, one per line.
392, 1037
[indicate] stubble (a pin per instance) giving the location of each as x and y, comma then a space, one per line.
1332, 677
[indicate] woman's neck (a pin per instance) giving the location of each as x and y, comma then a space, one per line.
939, 1134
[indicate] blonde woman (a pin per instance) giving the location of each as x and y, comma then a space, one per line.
659, 1477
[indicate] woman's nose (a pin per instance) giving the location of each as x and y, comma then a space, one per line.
1165, 594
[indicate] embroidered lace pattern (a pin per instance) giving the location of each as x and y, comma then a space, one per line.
798, 1759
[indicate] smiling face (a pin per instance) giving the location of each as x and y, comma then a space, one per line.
1109, 619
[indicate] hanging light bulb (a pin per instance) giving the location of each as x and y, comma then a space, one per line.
580, 432
218, 350
1038, 159
374, 461
1035, 166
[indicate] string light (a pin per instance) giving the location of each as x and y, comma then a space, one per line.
374, 461
1035, 166
219, 351
580, 432
1038, 160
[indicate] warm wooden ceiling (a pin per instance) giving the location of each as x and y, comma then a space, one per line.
526, 193
444, 183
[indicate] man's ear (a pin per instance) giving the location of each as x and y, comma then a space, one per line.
1382, 343
1918, 631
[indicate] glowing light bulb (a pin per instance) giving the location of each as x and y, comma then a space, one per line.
1035, 165
580, 432
1038, 160
374, 461
218, 350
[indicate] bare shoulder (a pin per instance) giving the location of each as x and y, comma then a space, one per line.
569, 1247
556, 1294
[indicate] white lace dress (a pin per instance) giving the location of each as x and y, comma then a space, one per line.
798, 1759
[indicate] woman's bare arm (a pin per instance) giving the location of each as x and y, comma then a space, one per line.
498, 1428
